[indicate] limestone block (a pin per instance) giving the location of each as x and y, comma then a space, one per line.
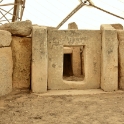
39, 60
117, 26
121, 58
21, 52
5, 38
91, 42
6, 66
109, 63
22, 28
67, 50
76, 61
72, 25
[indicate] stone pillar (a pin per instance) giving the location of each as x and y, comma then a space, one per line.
21, 51
6, 63
76, 58
39, 60
121, 58
109, 63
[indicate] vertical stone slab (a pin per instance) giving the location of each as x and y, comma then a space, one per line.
21, 51
76, 59
121, 58
39, 60
6, 66
109, 65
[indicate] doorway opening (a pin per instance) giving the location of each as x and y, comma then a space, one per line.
73, 63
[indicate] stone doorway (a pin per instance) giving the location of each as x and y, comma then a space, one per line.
73, 63
100, 65
57, 40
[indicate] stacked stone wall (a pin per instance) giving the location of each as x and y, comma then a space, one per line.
15, 56
33, 59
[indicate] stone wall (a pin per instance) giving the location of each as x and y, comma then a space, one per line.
15, 56
36, 62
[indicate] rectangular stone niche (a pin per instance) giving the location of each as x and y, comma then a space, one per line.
73, 63
56, 40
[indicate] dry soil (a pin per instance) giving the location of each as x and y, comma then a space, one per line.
24, 107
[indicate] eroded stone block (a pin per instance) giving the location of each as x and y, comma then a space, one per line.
39, 59
6, 66
72, 25
109, 65
21, 52
5, 38
121, 58
19, 28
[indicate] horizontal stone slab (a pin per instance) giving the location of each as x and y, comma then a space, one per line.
67, 50
22, 28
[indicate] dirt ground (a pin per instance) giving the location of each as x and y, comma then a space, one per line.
26, 108
73, 78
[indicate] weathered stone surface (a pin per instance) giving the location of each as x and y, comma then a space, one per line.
91, 40
39, 60
121, 58
5, 38
76, 59
72, 25
22, 28
21, 52
109, 65
45, 27
67, 50
6, 66
117, 26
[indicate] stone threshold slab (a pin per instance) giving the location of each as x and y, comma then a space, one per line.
75, 92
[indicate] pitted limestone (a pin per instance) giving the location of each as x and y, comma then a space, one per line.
5, 38
21, 51
6, 66
109, 65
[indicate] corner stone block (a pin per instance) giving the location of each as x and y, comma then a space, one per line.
21, 53
39, 60
6, 66
5, 38
121, 58
109, 65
